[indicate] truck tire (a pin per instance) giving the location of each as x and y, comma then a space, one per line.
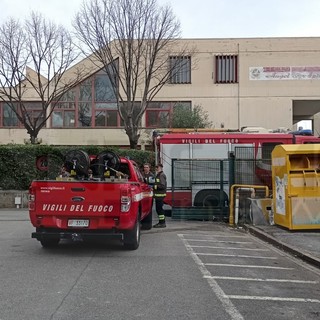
146, 223
131, 238
210, 198
49, 242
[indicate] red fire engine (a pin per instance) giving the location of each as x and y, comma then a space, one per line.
216, 146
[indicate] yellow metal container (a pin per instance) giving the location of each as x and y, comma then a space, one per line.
296, 186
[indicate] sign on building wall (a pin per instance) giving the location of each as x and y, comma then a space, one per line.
285, 73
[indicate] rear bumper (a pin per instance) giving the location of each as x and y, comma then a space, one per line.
54, 221
77, 234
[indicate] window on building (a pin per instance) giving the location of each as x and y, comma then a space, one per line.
158, 119
86, 90
63, 119
64, 111
35, 113
158, 113
84, 110
180, 69
10, 118
136, 111
226, 69
103, 89
92, 103
106, 115
105, 106
84, 114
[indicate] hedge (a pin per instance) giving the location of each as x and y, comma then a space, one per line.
18, 163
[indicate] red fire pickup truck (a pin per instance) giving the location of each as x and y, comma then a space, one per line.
103, 196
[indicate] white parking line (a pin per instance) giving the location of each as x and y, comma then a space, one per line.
212, 280
245, 266
230, 248
219, 241
263, 280
211, 236
234, 255
239, 297
225, 301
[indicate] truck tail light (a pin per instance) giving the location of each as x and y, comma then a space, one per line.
125, 200
31, 199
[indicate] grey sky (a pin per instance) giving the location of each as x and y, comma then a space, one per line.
204, 18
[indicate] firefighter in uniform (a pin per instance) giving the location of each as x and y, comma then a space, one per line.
148, 176
159, 193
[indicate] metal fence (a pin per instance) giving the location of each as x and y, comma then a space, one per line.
200, 187
252, 166
205, 185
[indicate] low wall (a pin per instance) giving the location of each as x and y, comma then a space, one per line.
13, 199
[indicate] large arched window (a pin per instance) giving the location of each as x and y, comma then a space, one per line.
93, 103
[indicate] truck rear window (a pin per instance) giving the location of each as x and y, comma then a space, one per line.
124, 168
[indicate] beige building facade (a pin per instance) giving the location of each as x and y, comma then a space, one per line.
261, 82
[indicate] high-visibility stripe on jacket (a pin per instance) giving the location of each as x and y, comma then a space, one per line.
159, 194
160, 185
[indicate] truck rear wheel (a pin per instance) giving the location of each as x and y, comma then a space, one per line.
49, 242
131, 238
210, 198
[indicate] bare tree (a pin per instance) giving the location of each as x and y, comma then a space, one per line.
34, 58
132, 40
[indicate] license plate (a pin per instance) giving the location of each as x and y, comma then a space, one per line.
78, 223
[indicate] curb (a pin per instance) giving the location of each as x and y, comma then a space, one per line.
285, 247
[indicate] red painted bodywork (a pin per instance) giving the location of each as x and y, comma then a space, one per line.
183, 198
53, 202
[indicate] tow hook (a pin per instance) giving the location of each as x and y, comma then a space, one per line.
76, 237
